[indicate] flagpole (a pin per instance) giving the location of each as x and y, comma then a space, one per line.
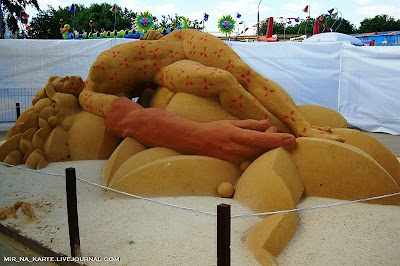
73, 24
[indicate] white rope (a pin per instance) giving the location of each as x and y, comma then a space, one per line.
143, 198
114, 190
209, 213
316, 207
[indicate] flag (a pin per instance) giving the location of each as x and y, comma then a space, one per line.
205, 16
330, 11
305, 10
72, 8
24, 15
238, 15
334, 14
297, 19
113, 9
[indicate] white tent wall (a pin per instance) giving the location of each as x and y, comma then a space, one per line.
309, 72
362, 83
369, 92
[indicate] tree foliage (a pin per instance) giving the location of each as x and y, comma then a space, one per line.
379, 23
13, 9
46, 24
168, 22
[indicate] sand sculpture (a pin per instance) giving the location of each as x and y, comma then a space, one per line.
205, 133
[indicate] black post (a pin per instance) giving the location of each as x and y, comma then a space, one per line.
223, 234
72, 208
18, 107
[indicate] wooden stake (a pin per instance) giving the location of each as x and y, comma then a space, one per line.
223, 234
72, 207
18, 107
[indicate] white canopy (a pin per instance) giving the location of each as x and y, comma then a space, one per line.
333, 37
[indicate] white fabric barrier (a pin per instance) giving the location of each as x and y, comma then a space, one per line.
369, 92
359, 82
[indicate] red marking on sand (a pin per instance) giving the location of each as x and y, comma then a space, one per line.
114, 53
204, 38
139, 56
201, 67
178, 34
204, 52
190, 41
290, 116
125, 62
86, 83
238, 100
324, 133
246, 76
142, 69
100, 66
141, 46
265, 116
89, 106
101, 109
216, 70
172, 53
268, 91
153, 52
114, 77
304, 130
193, 51
230, 65
207, 84
188, 82
172, 82
181, 71
157, 66
218, 53
161, 78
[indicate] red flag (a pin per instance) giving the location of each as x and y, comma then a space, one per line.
305, 10
24, 15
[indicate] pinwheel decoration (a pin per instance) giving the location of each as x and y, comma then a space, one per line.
226, 24
144, 21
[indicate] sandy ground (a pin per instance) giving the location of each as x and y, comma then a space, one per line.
146, 233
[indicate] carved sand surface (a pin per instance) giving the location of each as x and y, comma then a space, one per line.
214, 129
145, 233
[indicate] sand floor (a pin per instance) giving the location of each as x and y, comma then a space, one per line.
140, 232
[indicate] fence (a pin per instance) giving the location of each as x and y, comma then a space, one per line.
223, 217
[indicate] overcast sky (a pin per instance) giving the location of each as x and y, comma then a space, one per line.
352, 10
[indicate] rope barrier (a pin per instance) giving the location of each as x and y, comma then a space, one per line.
210, 213
114, 190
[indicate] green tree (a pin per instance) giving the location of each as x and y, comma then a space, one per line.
12, 12
168, 22
379, 23
46, 24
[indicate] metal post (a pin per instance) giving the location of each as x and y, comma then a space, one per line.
223, 235
258, 19
72, 209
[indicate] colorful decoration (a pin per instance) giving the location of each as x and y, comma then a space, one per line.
226, 24
66, 32
144, 21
